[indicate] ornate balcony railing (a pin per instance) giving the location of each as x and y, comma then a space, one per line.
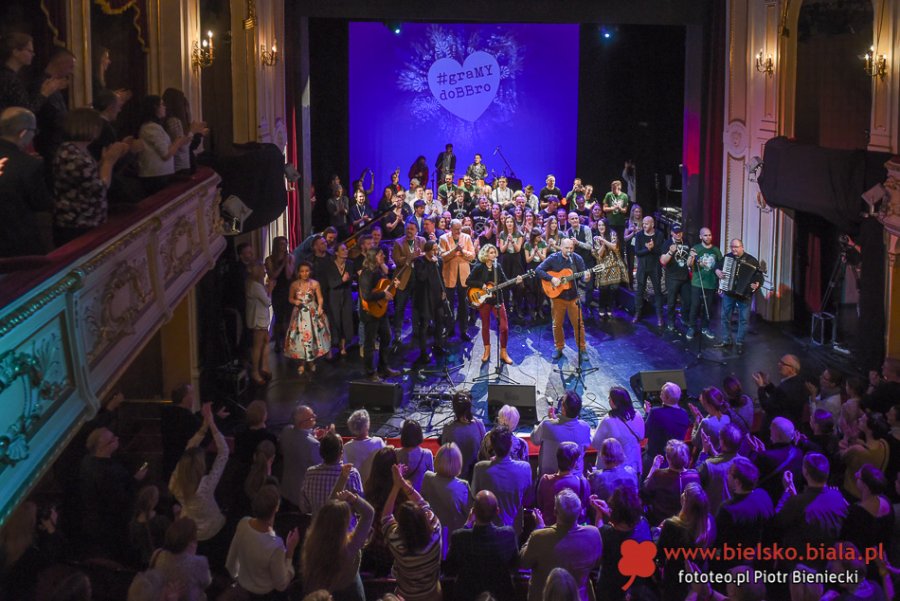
71, 322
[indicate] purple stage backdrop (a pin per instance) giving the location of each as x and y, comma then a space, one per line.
477, 86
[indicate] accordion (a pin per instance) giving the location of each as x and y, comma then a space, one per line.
737, 275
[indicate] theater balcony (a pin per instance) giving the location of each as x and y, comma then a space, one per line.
71, 322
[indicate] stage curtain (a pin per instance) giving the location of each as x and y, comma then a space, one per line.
714, 109
139, 16
55, 16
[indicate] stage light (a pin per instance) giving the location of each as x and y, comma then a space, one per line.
607, 33
395, 27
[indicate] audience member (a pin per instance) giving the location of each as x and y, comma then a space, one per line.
714, 468
622, 423
567, 456
870, 521
26, 211
53, 113
178, 125
413, 455
178, 561
507, 416
299, 451
692, 528
508, 479
618, 521
181, 423
447, 494
156, 163
377, 558
788, 398
259, 559
716, 407
322, 481
663, 487
872, 448
246, 440
147, 528
615, 472
331, 553
883, 390
566, 544
465, 431
560, 586
482, 555
16, 52
743, 518
553, 430
664, 423
741, 405
360, 451
781, 456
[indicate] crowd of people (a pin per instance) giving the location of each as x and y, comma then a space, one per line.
810, 468
66, 168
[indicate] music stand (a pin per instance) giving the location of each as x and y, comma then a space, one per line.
700, 357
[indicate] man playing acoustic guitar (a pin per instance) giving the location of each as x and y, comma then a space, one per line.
553, 269
375, 291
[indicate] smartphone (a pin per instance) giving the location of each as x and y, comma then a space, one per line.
144, 466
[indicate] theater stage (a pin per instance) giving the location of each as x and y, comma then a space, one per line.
617, 348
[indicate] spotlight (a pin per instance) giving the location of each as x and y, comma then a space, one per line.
607, 32
395, 27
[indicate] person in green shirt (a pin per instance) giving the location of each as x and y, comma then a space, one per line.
615, 208
702, 261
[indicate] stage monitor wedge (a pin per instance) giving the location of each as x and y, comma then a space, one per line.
647, 384
376, 397
523, 398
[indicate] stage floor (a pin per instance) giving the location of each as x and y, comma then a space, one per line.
617, 349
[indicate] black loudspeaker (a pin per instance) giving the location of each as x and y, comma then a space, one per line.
647, 384
523, 398
376, 397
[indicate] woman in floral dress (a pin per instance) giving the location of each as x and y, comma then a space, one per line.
612, 272
309, 335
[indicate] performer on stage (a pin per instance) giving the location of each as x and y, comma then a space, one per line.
675, 263
374, 326
477, 170
361, 212
738, 299
612, 272
581, 235
567, 302
488, 271
457, 250
615, 207
446, 162
406, 249
703, 260
648, 246
429, 299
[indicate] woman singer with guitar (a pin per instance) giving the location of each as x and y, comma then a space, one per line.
375, 291
487, 274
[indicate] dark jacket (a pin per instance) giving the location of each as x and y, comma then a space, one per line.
23, 195
785, 400
481, 560
427, 284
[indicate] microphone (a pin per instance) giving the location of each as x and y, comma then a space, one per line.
496, 150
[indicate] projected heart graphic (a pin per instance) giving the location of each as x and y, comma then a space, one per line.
465, 90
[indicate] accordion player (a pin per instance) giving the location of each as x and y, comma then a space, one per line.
738, 273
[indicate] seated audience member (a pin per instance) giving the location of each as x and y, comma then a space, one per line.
872, 448
567, 456
507, 478
781, 456
26, 210
692, 528
79, 183
195, 489
870, 521
322, 481
246, 440
299, 452
625, 425
507, 416
884, 390
156, 162
107, 496
178, 561
604, 481
53, 113
147, 528
258, 558
816, 515
331, 552
618, 521
855, 587
553, 430
665, 422
788, 398
743, 518
466, 431
413, 455
447, 494
567, 545
360, 451
413, 534
178, 124
714, 468
663, 486
483, 555
377, 557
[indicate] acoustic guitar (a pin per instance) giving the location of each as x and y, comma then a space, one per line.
566, 277
478, 296
378, 308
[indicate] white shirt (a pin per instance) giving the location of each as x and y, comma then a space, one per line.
359, 453
613, 427
550, 432
258, 560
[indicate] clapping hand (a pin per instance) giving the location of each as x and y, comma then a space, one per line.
397, 475
657, 462
758, 445
761, 378
811, 389
787, 479
647, 407
599, 505
696, 412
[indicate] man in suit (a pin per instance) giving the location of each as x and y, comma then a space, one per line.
26, 207
789, 398
428, 300
446, 162
566, 545
508, 479
457, 251
478, 554
406, 249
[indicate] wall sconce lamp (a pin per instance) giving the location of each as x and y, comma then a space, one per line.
202, 53
269, 58
876, 65
765, 63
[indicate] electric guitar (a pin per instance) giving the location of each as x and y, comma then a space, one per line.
478, 296
566, 277
378, 308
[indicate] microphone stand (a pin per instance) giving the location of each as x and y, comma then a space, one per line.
578, 373
509, 170
699, 358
